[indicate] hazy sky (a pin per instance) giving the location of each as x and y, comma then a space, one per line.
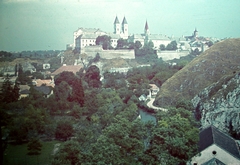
49, 24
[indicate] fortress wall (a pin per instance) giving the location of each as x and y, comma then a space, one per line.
129, 54
170, 55
109, 54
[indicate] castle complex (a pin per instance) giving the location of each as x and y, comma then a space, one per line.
84, 37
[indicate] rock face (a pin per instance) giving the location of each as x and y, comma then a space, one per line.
220, 60
219, 104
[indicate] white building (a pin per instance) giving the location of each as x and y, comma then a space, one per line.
157, 39
216, 147
87, 36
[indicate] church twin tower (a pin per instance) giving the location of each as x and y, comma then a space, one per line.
121, 30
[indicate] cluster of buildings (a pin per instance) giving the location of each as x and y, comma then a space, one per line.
86, 37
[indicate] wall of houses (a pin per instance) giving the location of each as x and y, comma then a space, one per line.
221, 155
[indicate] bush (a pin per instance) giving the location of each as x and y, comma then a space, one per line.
64, 131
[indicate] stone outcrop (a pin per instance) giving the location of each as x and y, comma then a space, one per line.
219, 104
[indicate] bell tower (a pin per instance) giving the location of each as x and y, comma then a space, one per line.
125, 27
117, 27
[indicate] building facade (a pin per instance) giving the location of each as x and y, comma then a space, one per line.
157, 39
87, 36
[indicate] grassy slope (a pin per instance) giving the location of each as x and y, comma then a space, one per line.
220, 60
17, 154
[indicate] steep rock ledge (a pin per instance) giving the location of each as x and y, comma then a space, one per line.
219, 104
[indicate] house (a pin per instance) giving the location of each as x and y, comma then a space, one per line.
143, 97
40, 82
153, 90
216, 147
24, 91
69, 68
45, 90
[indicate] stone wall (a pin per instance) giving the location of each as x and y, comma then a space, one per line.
170, 55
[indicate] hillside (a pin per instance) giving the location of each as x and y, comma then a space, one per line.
222, 59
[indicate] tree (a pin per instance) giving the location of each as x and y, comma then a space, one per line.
9, 93
69, 154
210, 43
66, 76
92, 77
34, 147
69, 87
137, 45
23, 77
105, 41
122, 43
172, 46
175, 137
162, 47
64, 131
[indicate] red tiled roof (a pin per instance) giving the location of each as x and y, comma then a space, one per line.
47, 82
69, 68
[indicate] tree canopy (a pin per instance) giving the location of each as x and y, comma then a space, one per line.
105, 41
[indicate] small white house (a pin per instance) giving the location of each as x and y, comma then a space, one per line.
216, 147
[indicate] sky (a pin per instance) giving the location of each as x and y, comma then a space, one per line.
49, 24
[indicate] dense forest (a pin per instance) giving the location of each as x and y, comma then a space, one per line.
96, 122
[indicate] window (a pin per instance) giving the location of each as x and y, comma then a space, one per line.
214, 152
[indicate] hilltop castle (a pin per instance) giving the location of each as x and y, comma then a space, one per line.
85, 37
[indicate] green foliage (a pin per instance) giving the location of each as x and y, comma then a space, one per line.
105, 41
175, 137
23, 77
92, 77
68, 87
6, 56
114, 80
34, 147
69, 154
9, 93
38, 75
172, 46
146, 53
122, 43
210, 43
29, 124
64, 131
162, 47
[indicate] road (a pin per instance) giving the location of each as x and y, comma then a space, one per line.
150, 105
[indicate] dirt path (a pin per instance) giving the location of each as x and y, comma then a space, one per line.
150, 105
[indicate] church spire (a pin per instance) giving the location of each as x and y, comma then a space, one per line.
116, 21
124, 21
125, 27
117, 26
146, 29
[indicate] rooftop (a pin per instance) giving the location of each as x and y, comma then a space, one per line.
211, 135
69, 68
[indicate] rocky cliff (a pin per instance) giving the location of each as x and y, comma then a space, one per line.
219, 104
220, 60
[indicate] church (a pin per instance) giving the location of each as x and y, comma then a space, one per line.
157, 39
85, 37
